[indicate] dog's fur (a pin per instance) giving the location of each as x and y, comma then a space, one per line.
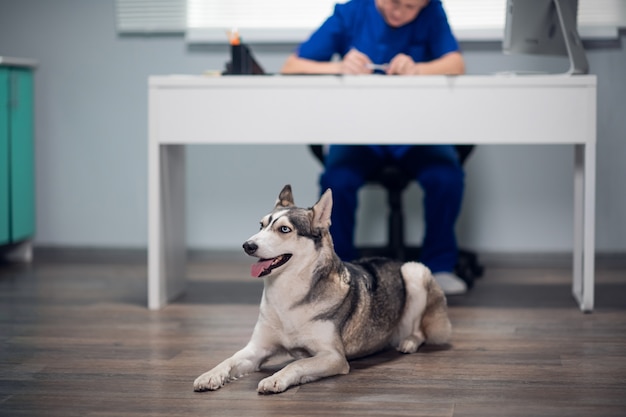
323, 311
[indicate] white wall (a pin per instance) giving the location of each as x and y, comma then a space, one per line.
91, 145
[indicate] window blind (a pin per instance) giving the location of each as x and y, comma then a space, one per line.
151, 16
274, 20
484, 19
294, 20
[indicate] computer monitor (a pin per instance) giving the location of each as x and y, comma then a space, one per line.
545, 27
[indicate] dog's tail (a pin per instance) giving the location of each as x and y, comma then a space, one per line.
435, 324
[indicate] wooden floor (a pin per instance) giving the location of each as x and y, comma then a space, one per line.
76, 339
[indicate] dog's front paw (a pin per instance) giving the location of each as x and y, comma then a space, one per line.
210, 381
410, 344
272, 385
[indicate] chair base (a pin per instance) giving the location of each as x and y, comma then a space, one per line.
468, 267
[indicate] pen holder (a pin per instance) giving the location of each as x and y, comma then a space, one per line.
240, 62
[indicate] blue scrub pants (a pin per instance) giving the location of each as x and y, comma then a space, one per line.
435, 167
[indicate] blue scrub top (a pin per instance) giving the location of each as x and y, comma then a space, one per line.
358, 24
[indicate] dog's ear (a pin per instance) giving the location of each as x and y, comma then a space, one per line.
322, 210
285, 198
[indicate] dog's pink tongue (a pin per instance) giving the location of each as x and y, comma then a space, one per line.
257, 268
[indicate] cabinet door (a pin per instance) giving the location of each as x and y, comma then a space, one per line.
22, 181
4, 157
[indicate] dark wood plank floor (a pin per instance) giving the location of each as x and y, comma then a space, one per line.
77, 340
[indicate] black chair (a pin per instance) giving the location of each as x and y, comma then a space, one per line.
395, 182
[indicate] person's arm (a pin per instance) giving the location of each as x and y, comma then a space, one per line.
354, 62
451, 63
297, 65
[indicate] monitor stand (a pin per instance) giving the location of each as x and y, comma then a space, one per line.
573, 43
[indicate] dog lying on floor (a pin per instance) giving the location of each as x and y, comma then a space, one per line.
322, 311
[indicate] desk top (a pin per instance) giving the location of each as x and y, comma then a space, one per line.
315, 81
373, 109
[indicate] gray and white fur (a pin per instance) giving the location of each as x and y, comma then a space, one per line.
322, 311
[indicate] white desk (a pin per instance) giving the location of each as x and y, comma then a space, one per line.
544, 109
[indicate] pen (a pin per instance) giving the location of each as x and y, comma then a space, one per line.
380, 67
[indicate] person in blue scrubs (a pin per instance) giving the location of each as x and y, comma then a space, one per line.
393, 37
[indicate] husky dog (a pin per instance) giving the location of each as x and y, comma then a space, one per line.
323, 311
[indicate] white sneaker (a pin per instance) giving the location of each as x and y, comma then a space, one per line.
450, 283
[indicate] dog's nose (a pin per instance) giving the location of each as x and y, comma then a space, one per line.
250, 247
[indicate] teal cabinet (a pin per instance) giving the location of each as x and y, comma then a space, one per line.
17, 181
5, 191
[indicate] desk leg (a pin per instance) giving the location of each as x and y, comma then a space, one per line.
584, 225
166, 228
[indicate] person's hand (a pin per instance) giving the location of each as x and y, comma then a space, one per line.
402, 64
355, 62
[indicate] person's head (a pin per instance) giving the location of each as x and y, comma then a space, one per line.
400, 12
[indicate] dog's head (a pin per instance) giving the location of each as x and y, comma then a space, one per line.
290, 233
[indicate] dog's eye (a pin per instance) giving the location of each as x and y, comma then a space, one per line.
261, 226
285, 229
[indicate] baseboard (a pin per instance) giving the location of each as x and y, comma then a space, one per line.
83, 254
65, 254
607, 260
604, 260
